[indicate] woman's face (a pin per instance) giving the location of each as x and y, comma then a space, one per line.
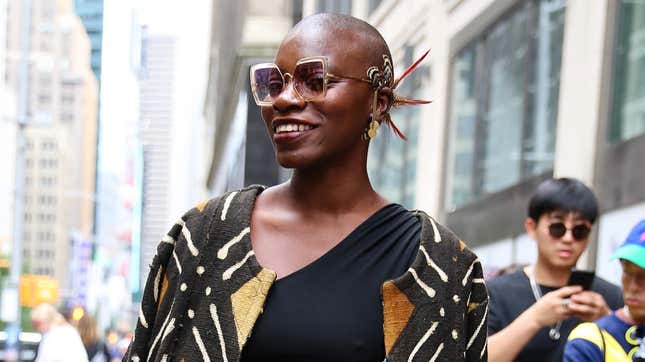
308, 134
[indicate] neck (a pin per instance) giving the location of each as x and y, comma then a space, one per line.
627, 317
333, 189
549, 275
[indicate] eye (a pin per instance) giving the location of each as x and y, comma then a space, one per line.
275, 86
315, 82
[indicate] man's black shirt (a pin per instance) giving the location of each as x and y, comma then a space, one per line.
511, 294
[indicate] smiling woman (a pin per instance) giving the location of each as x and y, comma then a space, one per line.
320, 268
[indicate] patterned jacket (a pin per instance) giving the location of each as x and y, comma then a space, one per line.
205, 290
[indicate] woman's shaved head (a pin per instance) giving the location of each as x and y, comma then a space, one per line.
358, 39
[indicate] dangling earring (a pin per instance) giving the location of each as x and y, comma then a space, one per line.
373, 128
374, 124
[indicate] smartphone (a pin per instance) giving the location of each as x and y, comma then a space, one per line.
584, 278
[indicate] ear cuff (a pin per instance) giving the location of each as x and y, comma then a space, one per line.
379, 80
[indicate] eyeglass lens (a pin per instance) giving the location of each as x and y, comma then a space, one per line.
308, 80
579, 232
268, 83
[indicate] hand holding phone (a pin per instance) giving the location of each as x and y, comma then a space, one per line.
583, 278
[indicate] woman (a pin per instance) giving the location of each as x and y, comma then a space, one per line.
320, 268
96, 349
60, 340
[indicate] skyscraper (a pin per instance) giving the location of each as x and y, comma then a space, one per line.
60, 136
157, 85
7, 140
91, 13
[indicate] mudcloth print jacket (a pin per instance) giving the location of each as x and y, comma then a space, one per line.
205, 290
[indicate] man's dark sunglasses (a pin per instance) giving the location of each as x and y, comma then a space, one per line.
579, 232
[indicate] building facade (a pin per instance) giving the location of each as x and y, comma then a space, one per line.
524, 90
60, 136
91, 13
8, 119
156, 107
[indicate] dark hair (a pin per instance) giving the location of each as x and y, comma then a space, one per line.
566, 195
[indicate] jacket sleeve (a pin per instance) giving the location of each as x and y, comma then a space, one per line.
151, 309
163, 282
476, 315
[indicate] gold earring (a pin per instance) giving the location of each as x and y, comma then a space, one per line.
371, 131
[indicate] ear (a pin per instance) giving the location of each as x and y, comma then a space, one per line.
384, 101
531, 227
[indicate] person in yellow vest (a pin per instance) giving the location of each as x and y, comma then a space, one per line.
619, 336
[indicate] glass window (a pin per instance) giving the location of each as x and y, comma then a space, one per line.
505, 51
504, 102
372, 5
335, 6
628, 118
464, 119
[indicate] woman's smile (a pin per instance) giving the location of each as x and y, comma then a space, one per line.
289, 131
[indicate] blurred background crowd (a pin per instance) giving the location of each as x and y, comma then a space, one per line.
117, 116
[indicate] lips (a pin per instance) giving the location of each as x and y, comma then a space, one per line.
288, 130
633, 302
565, 253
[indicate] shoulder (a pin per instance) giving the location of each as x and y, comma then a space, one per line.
206, 223
607, 322
446, 252
600, 284
443, 242
231, 208
584, 343
231, 205
515, 280
587, 330
611, 292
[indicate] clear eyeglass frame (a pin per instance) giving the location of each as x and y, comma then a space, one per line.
326, 77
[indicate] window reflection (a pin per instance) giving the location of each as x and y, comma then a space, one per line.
629, 88
504, 102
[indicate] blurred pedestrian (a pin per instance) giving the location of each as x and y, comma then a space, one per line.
619, 336
60, 340
358, 277
533, 310
96, 348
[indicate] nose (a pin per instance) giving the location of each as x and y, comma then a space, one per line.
568, 236
289, 97
630, 285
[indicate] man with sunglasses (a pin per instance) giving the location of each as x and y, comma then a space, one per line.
533, 310
620, 335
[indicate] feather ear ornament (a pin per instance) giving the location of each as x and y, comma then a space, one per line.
398, 100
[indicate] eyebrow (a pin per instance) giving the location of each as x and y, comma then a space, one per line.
557, 215
577, 217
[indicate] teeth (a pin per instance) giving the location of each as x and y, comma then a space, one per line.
292, 127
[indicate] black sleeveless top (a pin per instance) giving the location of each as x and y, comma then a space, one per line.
331, 309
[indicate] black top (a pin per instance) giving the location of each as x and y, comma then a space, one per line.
331, 309
97, 351
511, 294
